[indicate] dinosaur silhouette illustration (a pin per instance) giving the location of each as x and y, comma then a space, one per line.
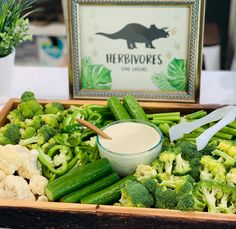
136, 33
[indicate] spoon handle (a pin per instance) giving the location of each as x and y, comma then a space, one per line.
93, 127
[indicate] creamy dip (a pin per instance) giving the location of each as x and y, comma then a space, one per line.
130, 138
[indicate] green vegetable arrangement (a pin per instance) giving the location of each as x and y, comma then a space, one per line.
61, 141
13, 24
180, 178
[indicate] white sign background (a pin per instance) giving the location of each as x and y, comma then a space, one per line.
110, 19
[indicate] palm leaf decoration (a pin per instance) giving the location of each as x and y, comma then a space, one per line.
175, 79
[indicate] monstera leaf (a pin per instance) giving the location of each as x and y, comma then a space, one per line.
175, 79
161, 81
95, 76
177, 74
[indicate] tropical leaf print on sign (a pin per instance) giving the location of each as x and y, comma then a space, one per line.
95, 76
161, 81
175, 79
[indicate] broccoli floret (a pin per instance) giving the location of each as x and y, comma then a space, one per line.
145, 171
231, 177
30, 108
28, 132
42, 136
177, 182
165, 198
35, 122
52, 120
150, 184
217, 197
209, 148
181, 166
134, 194
228, 147
176, 194
186, 187
195, 164
185, 202
168, 158
188, 150
4, 140
227, 159
158, 166
27, 95
212, 169
53, 108
17, 118
224, 145
190, 153
9, 134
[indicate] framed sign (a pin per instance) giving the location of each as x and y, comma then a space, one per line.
151, 49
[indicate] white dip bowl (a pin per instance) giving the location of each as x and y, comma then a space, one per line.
133, 142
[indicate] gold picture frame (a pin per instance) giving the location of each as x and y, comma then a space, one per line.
151, 49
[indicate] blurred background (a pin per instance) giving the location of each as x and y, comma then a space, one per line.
48, 47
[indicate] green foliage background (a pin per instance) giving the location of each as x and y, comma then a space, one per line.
13, 24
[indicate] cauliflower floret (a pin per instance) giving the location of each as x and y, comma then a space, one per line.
2, 179
42, 199
37, 184
6, 195
29, 166
19, 187
10, 159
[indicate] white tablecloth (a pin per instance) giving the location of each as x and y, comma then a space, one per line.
53, 83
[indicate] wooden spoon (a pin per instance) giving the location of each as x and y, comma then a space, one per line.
94, 128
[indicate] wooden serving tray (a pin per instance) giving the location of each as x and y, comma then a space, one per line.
29, 214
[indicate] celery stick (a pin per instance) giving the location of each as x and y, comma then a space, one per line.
218, 134
223, 135
158, 122
192, 135
169, 118
169, 114
228, 130
232, 124
196, 115
187, 139
165, 129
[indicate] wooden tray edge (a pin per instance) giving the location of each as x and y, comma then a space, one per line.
116, 210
